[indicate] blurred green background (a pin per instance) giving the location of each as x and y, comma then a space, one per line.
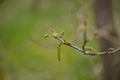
26, 55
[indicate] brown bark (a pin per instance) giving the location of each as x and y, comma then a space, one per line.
104, 22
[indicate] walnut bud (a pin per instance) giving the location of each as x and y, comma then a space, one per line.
85, 22
46, 35
95, 33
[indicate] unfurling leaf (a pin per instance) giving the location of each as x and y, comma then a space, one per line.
91, 49
59, 47
46, 35
61, 34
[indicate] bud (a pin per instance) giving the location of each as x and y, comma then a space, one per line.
111, 49
95, 33
85, 22
51, 30
46, 35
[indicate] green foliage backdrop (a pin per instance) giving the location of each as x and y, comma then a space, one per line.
24, 52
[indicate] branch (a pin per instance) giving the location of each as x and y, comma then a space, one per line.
109, 51
84, 39
84, 50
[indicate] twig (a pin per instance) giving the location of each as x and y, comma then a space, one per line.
109, 51
85, 40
